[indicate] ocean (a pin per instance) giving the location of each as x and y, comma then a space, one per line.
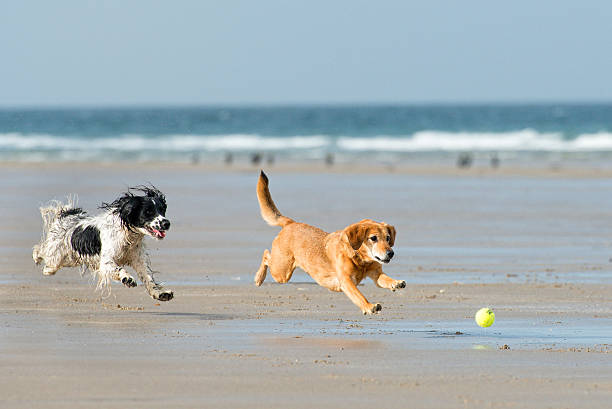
389, 133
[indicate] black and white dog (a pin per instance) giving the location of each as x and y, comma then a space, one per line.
106, 242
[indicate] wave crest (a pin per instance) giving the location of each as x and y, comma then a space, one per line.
168, 143
423, 141
525, 140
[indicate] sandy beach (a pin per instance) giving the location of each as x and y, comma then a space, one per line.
533, 244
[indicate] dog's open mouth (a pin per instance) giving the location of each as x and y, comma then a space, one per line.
386, 260
158, 234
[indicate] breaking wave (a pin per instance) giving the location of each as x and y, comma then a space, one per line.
37, 146
172, 143
525, 140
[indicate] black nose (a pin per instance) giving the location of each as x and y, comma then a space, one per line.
165, 224
390, 254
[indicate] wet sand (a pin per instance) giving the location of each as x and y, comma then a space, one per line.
535, 248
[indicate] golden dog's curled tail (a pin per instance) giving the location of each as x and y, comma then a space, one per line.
269, 212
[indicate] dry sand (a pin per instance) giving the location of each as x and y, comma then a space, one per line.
533, 247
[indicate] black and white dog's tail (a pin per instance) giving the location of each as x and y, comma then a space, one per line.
50, 214
56, 210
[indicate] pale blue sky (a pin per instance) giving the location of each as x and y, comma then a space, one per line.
273, 52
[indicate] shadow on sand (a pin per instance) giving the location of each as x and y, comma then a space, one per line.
193, 315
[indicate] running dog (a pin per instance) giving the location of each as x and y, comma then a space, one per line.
338, 261
106, 243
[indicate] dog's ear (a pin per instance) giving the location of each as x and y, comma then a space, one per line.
128, 209
356, 234
150, 191
155, 193
391, 233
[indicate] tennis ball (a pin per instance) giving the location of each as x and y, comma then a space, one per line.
485, 317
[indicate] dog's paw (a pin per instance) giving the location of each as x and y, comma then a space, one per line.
129, 281
398, 284
49, 271
36, 256
373, 309
165, 295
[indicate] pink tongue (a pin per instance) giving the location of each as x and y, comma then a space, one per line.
161, 234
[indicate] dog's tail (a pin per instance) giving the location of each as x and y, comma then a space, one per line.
50, 213
269, 212
56, 210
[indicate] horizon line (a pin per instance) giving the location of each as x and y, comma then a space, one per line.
338, 104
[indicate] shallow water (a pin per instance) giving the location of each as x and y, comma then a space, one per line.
443, 335
199, 331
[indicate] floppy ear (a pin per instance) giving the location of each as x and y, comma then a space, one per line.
128, 209
392, 234
356, 234
150, 191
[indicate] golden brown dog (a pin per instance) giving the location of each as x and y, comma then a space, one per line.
338, 261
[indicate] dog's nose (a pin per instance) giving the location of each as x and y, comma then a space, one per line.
165, 224
390, 254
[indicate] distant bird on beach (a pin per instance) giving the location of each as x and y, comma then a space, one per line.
464, 160
256, 158
494, 161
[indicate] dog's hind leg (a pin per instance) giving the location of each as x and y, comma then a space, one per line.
281, 265
260, 276
51, 266
50, 270
36, 254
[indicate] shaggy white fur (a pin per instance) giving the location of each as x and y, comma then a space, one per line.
105, 243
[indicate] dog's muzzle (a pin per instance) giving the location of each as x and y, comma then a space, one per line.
389, 255
159, 231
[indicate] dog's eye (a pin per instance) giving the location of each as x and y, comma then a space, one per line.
374, 239
389, 239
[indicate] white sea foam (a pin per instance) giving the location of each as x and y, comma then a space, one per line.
525, 140
168, 143
423, 141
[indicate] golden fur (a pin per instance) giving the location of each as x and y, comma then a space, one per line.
338, 261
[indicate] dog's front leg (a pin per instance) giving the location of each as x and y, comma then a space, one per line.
141, 264
349, 288
109, 270
384, 281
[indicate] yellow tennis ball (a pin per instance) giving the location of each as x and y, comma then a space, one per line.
485, 317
